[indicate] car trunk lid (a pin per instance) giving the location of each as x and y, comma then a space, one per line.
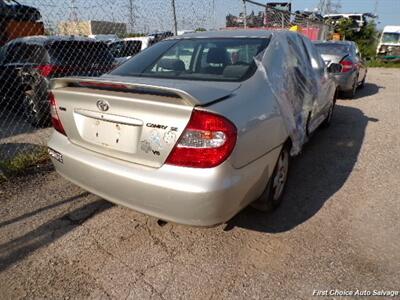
131, 121
333, 58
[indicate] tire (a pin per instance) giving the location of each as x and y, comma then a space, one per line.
36, 112
351, 93
272, 196
362, 84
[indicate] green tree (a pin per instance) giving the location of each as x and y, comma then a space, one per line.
366, 37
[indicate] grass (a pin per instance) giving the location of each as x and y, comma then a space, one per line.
376, 63
19, 163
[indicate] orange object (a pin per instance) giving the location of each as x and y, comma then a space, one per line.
336, 37
15, 29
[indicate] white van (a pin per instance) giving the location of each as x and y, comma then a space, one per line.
389, 44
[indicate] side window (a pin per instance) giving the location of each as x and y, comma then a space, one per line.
23, 53
177, 59
298, 57
131, 48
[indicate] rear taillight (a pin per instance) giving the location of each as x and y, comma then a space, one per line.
46, 70
94, 84
55, 119
49, 70
206, 142
347, 65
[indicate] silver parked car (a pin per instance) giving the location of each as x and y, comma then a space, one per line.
194, 128
353, 72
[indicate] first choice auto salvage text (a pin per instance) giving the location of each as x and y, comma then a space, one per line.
361, 293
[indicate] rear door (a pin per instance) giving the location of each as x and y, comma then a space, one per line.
325, 89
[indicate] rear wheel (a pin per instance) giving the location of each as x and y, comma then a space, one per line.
362, 84
273, 193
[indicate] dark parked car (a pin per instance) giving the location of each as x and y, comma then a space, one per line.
12, 9
122, 50
353, 73
27, 64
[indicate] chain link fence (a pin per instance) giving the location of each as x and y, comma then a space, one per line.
44, 39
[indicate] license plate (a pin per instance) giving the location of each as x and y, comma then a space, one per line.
116, 136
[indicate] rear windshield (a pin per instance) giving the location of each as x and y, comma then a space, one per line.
330, 48
391, 38
125, 48
223, 59
21, 53
82, 53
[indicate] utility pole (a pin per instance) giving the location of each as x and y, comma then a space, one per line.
321, 7
245, 14
214, 17
132, 15
174, 15
329, 7
73, 13
376, 7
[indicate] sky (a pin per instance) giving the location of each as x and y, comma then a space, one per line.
151, 15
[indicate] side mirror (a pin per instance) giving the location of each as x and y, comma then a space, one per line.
334, 68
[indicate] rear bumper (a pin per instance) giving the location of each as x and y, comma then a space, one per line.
345, 80
201, 197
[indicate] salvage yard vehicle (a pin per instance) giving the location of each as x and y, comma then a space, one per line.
389, 45
195, 140
353, 73
28, 63
122, 50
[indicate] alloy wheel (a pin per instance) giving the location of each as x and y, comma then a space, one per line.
280, 178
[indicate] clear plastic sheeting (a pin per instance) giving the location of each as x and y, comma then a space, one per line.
294, 82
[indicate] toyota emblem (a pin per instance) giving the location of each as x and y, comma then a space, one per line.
103, 105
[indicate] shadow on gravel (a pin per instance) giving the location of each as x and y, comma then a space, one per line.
13, 123
318, 173
19, 248
42, 209
369, 89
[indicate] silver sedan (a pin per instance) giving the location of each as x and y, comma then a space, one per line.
353, 71
194, 128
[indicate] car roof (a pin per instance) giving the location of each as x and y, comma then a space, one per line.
391, 29
343, 15
43, 40
138, 38
230, 34
348, 43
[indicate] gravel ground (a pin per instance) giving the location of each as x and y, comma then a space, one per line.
18, 136
338, 227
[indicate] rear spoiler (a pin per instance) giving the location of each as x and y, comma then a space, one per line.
179, 96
